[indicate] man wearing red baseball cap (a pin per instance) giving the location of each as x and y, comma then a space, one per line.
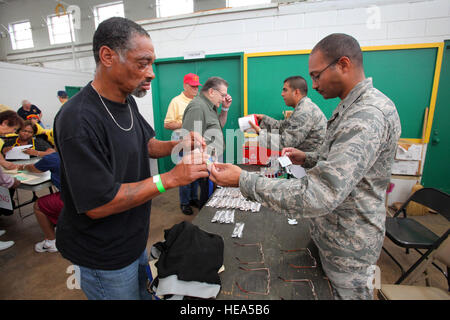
173, 121
178, 104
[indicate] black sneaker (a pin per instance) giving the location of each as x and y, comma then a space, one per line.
186, 209
195, 203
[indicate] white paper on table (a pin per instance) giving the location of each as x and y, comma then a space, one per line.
16, 153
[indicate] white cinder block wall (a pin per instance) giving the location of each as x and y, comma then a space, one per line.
292, 26
300, 25
38, 85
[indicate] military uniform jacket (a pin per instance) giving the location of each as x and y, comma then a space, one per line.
343, 192
304, 129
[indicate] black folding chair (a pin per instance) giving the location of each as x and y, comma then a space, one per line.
410, 234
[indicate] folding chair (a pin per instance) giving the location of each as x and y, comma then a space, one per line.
410, 292
410, 234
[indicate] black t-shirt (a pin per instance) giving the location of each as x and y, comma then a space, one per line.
96, 158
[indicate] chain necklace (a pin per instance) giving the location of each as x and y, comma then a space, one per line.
131, 114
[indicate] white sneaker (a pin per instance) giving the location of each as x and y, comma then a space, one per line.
46, 246
2, 232
6, 244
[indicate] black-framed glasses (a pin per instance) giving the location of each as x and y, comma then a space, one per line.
222, 94
317, 76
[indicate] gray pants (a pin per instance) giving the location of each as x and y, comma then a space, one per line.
348, 283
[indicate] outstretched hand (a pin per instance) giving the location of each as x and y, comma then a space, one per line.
256, 128
190, 168
296, 156
193, 140
225, 174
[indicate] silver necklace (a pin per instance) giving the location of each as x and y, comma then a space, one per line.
131, 114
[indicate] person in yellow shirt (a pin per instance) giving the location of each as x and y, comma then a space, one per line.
179, 103
173, 121
8, 119
41, 131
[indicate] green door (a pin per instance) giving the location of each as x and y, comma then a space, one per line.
71, 91
436, 172
169, 83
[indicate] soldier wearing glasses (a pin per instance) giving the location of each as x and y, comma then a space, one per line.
344, 190
201, 115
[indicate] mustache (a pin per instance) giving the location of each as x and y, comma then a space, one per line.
147, 80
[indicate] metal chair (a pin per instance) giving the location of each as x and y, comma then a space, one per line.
410, 234
411, 292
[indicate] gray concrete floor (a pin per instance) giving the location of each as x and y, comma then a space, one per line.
28, 275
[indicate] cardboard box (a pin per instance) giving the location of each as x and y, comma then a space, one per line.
406, 167
254, 154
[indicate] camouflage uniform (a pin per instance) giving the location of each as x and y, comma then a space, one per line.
344, 190
304, 129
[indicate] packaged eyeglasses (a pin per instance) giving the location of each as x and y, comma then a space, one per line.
224, 216
238, 230
232, 198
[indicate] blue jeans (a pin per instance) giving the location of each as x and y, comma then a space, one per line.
128, 283
188, 192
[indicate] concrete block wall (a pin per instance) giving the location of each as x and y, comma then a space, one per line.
277, 26
299, 25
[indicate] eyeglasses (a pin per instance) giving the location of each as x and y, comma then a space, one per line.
222, 94
317, 76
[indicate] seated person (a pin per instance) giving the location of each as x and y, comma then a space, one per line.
8, 165
11, 183
41, 132
9, 122
39, 147
47, 208
27, 108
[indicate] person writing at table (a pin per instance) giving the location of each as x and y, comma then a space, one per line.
39, 147
47, 134
9, 122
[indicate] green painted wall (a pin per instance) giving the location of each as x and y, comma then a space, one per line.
405, 76
168, 83
436, 172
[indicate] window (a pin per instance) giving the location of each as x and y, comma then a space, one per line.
106, 11
60, 29
167, 8
242, 3
21, 35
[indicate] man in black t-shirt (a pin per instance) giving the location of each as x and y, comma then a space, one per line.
106, 184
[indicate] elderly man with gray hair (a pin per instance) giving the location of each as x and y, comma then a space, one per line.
28, 109
201, 116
